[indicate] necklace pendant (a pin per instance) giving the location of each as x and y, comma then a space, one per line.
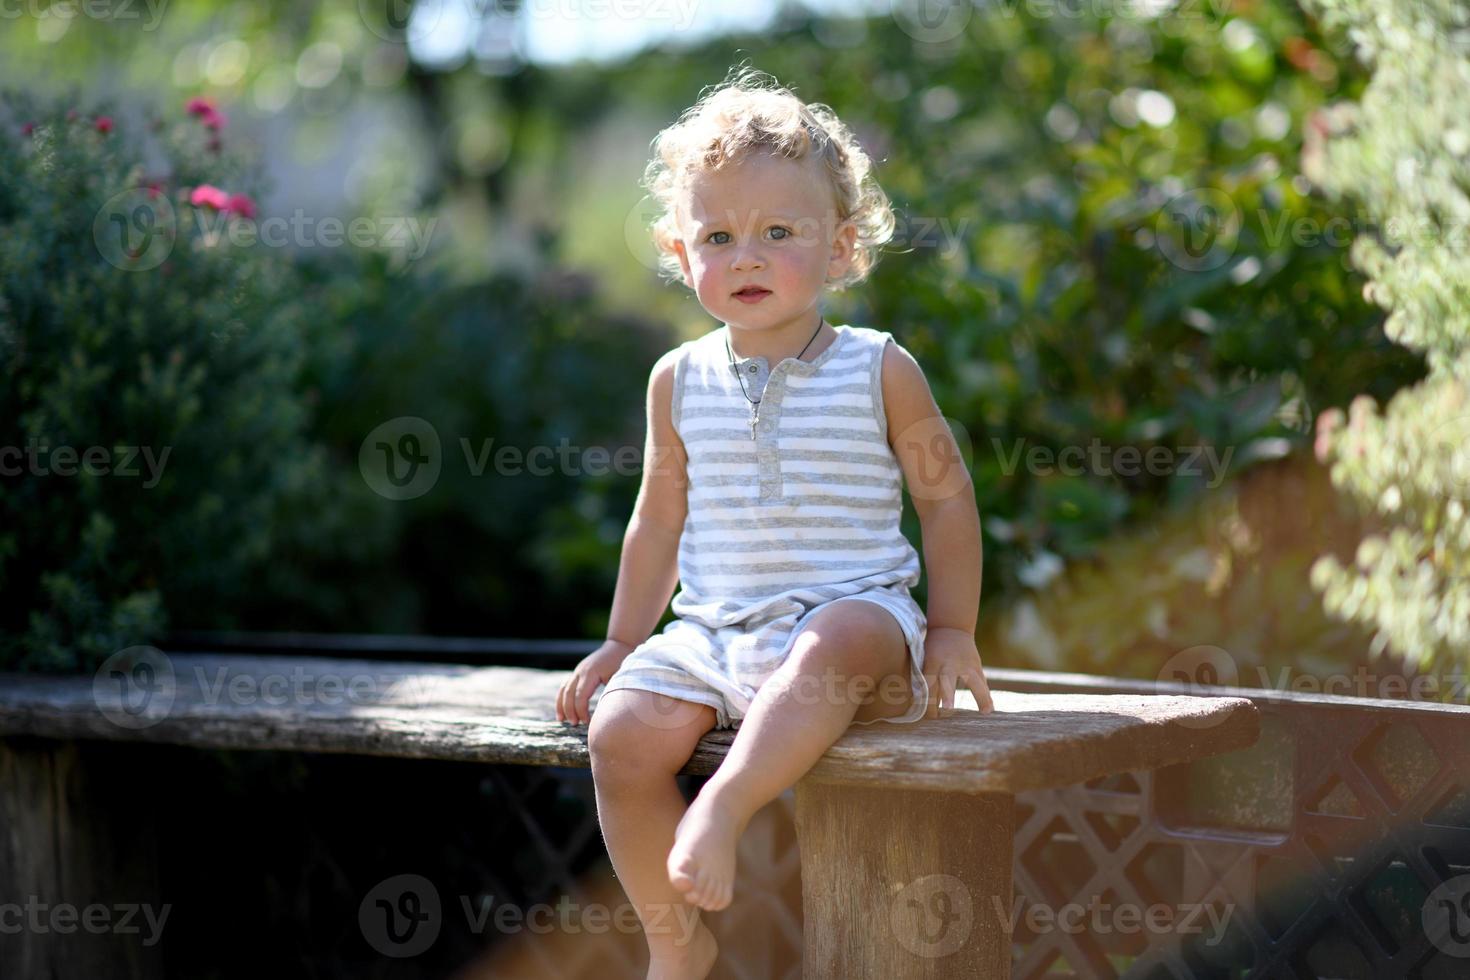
755, 416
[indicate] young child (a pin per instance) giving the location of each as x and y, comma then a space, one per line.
776, 450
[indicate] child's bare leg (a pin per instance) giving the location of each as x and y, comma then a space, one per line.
638, 741
803, 708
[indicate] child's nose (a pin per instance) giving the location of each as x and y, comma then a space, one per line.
747, 257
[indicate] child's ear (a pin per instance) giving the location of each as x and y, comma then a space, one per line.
684, 262
844, 247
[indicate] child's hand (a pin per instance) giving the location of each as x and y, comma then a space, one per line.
951, 655
596, 668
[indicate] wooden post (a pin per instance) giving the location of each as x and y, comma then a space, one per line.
904, 883
79, 859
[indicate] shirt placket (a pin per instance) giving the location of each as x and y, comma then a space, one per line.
769, 386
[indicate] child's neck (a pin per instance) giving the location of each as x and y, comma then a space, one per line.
776, 344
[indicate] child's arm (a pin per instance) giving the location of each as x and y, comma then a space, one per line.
648, 570
944, 499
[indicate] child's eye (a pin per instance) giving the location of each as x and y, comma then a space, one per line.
785, 233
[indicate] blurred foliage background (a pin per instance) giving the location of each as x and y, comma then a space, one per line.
1106, 238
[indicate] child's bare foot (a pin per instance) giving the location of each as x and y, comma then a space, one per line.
688, 961
702, 860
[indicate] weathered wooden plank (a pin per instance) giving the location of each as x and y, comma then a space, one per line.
904, 884
507, 714
78, 871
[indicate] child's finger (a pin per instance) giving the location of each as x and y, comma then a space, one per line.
584, 698
573, 713
981, 689
931, 710
946, 689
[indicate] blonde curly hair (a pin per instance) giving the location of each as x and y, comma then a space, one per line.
750, 111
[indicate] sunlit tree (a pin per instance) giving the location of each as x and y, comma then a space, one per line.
1403, 151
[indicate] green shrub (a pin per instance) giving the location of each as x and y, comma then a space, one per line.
184, 351
1403, 151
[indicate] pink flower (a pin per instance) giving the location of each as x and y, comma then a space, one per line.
207, 112
208, 196
104, 124
241, 204
28, 129
154, 189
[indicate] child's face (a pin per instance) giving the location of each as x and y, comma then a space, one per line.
765, 221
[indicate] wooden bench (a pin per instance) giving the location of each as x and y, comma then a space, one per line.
905, 832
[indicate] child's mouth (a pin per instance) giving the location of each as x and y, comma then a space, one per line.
752, 295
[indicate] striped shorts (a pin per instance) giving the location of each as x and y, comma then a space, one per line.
692, 662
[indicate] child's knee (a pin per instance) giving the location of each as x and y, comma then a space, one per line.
641, 734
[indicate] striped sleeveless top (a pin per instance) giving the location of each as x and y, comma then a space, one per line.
806, 511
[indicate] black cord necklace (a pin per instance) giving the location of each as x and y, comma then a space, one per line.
755, 403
